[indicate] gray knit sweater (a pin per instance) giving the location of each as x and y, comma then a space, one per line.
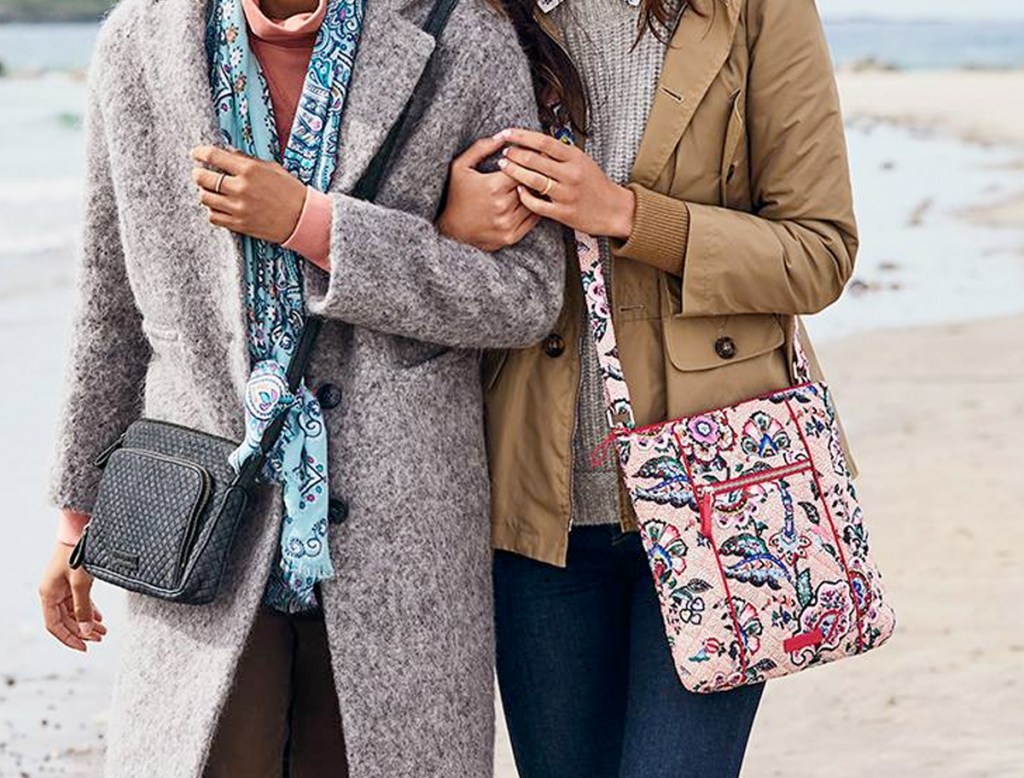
620, 82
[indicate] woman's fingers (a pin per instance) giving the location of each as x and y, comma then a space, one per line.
478, 152
56, 625
231, 162
81, 588
530, 220
67, 617
218, 202
538, 205
210, 179
540, 163
221, 219
503, 189
538, 141
530, 178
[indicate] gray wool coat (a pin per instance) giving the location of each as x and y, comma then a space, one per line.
159, 331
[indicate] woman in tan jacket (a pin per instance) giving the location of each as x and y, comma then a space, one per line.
716, 176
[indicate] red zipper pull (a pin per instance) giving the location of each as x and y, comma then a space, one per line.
707, 505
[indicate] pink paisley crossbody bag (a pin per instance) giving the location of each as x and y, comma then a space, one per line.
750, 521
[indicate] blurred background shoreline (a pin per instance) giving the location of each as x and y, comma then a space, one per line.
925, 352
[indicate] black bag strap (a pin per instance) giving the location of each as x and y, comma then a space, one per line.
366, 189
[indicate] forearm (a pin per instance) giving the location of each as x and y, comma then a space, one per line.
311, 237
70, 525
738, 263
394, 273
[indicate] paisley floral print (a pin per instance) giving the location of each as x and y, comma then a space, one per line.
751, 523
273, 277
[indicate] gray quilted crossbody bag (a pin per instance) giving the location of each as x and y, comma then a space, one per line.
169, 504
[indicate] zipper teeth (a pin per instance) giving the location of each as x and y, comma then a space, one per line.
765, 475
204, 492
193, 527
187, 429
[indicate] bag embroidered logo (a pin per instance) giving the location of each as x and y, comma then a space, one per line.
750, 521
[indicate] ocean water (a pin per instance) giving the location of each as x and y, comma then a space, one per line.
928, 45
902, 44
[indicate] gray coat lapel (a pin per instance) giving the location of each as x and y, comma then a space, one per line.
392, 53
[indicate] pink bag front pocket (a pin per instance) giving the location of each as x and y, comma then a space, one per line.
781, 567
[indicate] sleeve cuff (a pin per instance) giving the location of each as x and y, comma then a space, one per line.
70, 526
312, 234
661, 230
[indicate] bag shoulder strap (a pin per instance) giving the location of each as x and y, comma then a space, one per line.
366, 189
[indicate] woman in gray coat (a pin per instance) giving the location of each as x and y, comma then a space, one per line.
163, 329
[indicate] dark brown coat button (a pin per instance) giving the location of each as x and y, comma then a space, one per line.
329, 396
725, 347
337, 510
554, 345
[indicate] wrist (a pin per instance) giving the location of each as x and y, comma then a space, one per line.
449, 227
621, 226
70, 525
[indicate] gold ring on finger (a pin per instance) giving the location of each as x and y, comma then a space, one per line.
220, 180
547, 186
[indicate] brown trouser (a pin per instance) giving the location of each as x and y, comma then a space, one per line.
281, 719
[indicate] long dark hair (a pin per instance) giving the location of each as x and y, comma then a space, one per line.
555, 78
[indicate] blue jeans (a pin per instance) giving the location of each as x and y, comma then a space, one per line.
586, 676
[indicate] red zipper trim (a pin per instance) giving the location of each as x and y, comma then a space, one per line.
835, 534
708, 491
740, 644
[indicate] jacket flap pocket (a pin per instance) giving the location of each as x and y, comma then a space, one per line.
709, 342
146, 516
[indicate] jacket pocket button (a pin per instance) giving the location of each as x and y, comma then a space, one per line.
725, 347
329, 396
554, 345
337, 511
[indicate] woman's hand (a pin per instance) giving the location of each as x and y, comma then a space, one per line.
483, 209
247, 195
68, 610
561, 182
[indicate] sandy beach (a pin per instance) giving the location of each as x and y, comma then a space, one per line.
926, 357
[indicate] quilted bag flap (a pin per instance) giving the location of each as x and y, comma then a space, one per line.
146, 515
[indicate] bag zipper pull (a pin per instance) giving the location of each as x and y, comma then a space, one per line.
104, 455
707, 505
78, 552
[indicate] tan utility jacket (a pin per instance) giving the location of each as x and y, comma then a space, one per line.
743, 170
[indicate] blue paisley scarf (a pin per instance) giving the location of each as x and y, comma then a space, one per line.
273, 277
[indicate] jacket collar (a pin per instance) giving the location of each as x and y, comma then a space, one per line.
392, 53
698, 50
